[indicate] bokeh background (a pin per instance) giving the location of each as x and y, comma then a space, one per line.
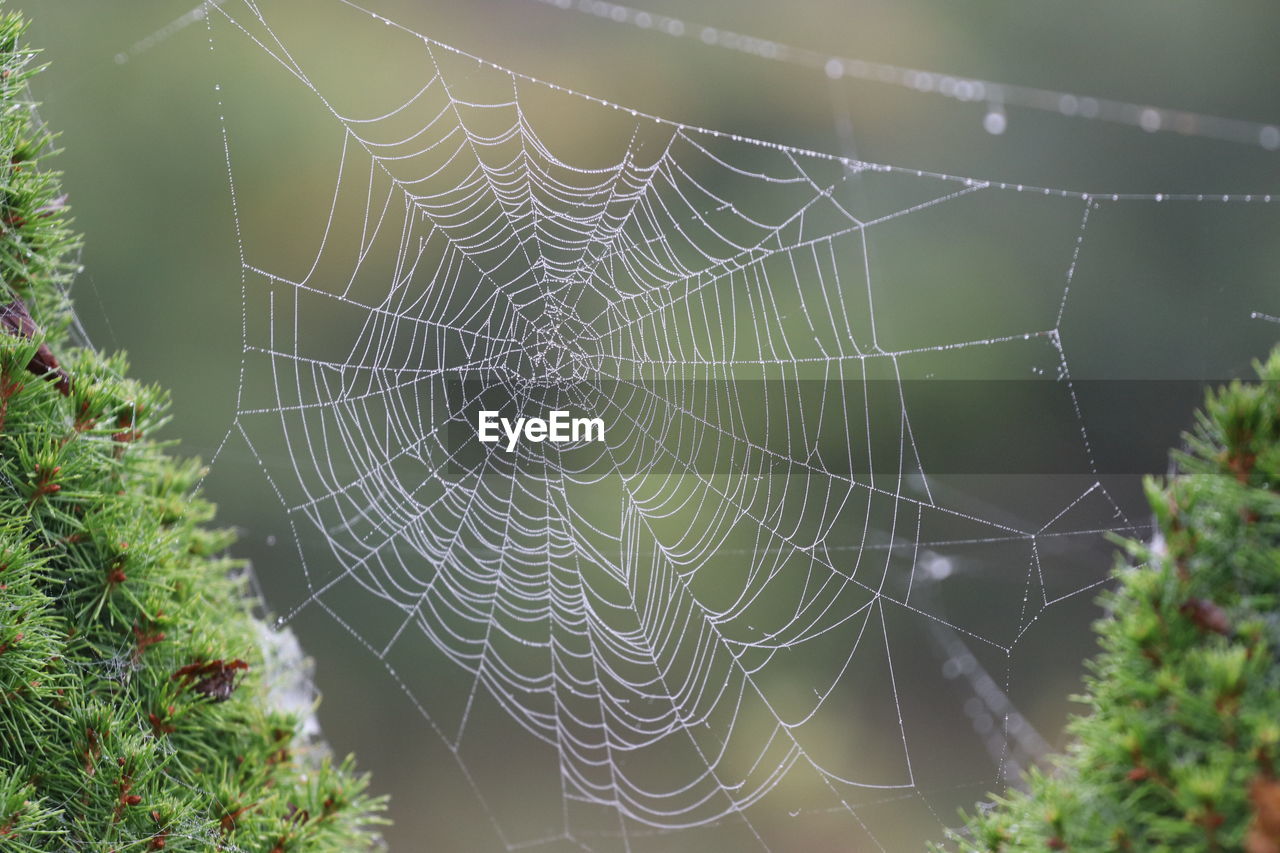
1162, 291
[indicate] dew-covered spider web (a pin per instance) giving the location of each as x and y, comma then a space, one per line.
850, 491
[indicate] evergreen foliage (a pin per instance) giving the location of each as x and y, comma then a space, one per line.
133, 713
1180, 748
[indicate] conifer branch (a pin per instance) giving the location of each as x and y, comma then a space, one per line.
1180, 746
133, 708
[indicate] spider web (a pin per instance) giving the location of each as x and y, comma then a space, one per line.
719, 617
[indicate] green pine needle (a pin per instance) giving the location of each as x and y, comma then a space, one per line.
133, 715
1179, 748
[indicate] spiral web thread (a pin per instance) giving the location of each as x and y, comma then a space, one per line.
665, 626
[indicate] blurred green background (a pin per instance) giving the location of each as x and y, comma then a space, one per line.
1162, 290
